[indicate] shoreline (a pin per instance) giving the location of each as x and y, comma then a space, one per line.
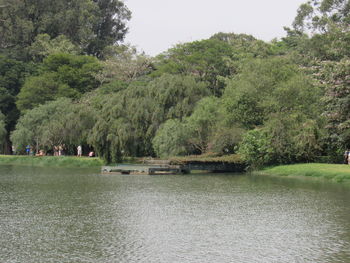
51, 161
336, 173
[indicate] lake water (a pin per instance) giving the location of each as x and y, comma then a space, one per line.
76, 215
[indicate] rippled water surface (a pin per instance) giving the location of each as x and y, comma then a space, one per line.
73, 215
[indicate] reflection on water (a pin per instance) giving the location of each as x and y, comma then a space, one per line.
65, 215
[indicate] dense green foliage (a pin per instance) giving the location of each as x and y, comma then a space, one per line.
171, 139
197, 133
90, 24
2, 129
268, 86
128, 120
60, 75
281, 102
206, 60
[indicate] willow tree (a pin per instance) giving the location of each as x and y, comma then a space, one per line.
59, 122
129, 119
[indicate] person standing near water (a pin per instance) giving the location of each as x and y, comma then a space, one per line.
28, 149
346, 157
79, 151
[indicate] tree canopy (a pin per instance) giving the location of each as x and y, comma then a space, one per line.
60, 75
90, 24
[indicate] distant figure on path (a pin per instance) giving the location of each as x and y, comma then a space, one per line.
79, 150
60, 150
40, 153
346, 157
28, 149
91, 154
55, 151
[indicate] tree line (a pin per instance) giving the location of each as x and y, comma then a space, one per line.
66, 79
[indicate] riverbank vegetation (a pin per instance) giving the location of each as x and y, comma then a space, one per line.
335, 172
207, 158
67, 80
51, 161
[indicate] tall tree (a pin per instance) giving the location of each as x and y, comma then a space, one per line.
319, 16
123, 63
325, 56
110, 27
12, 75
337, 102
3, 132
90, 24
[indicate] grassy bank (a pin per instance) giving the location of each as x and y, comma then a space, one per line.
211, 158
334, 172
50, 161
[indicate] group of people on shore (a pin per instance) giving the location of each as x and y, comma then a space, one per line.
57, 151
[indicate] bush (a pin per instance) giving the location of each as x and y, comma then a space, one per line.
255, 148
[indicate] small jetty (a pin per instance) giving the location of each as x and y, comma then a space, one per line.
177, 166
144, 169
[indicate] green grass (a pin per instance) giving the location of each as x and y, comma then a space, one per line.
50, 161
334, 172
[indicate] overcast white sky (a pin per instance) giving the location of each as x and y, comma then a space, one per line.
157, 25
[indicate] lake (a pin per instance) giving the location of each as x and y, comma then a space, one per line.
77, 215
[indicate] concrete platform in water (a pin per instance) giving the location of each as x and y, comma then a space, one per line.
143, 169
165, 167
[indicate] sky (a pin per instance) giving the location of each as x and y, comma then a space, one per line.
157, 25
